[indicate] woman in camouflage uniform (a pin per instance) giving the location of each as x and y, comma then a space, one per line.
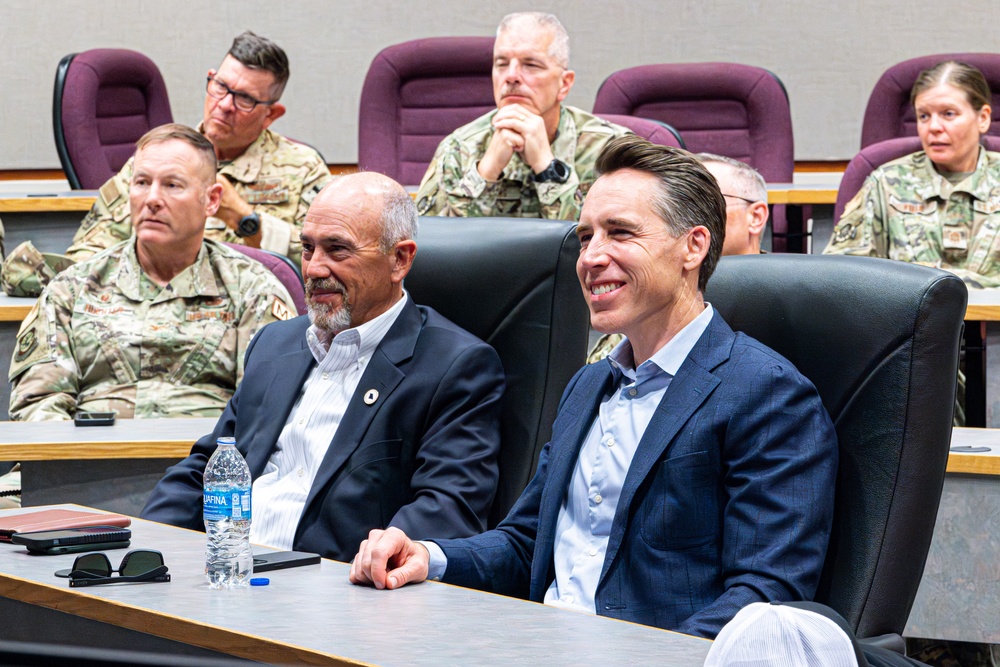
940, 206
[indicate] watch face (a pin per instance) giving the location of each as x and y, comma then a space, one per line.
557, 171
248, 226
561, 170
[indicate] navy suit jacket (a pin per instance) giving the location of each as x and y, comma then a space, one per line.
421, 458
728, 500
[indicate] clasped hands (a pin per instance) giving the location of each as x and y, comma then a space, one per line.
517, 130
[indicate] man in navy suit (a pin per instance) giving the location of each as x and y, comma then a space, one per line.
691, 472
372, 412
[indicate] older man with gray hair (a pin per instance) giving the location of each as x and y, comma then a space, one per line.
369, 413
745, 193
532, 156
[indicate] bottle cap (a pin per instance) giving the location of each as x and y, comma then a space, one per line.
260, 581
228, 440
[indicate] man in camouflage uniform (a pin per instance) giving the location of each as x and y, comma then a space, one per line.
267, 181
532, 157
745, 192
157, 325
906, 210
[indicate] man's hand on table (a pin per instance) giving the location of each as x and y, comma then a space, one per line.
389, 559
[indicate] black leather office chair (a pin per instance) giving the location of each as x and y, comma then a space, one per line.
511, 282
879, 339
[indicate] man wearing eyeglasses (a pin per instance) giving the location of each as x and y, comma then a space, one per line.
267, 181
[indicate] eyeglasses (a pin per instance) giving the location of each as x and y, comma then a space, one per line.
137, 565
241, 101
749, 201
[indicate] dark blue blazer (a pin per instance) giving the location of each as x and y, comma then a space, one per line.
421, 458
728, 500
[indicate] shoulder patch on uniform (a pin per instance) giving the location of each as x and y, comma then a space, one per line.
26, 344
110, 192
280, 310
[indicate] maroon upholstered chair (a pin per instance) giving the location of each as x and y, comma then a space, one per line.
874, 156
654, 130
104, 100
728, 109
889, 113
417, 93
734, 110
283, 269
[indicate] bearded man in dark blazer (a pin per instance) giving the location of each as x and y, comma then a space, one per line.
372, 412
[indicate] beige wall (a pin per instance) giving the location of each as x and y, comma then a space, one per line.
829, 54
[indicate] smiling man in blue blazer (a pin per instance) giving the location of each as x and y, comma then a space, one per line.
691, 472
371, 412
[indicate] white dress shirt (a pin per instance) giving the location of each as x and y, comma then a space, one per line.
280, 493
584, 522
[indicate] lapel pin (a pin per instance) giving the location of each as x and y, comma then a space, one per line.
371, 396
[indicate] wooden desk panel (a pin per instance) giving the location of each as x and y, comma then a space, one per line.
14, 309
313, 615
984, 305
980, 463
47, 203
799, 194
126, 439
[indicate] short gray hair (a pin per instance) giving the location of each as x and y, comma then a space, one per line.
559, 48
398, 219
747, 181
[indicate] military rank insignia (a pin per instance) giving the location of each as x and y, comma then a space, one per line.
280, 310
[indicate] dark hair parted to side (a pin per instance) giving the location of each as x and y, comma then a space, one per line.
687, 194
258, 52
188, 135
965, 77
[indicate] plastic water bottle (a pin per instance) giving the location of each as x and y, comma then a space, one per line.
228, 558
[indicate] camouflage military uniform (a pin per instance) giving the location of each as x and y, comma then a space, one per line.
603, 347
907, 211
453, 186
275, 176
104, 337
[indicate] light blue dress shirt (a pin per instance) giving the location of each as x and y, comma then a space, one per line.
584, 523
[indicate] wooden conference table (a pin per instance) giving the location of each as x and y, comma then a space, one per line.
958, 596
313, 615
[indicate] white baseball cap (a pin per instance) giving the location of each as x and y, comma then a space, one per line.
778, 635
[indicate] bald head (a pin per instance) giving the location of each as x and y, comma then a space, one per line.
371, 195
357, 246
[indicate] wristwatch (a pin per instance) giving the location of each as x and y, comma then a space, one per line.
556, 172
249, 225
